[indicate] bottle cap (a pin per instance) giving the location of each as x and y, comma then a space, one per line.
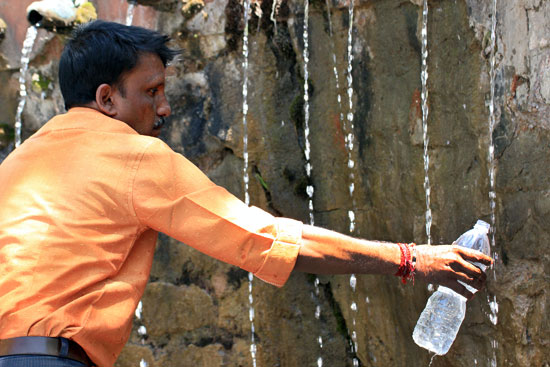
484, 226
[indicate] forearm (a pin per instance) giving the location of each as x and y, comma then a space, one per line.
327, 252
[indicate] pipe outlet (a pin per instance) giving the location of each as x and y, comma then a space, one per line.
51, 13
3, 27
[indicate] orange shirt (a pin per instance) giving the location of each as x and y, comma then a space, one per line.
81, 204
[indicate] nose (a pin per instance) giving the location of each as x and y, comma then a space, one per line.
163, 108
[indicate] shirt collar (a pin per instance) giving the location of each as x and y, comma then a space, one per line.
88, 119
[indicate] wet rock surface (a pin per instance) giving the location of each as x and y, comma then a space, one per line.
195, 309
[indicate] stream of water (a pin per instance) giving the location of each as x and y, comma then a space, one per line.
425, 110
130, 12
274, 11
307, 149
335, 64
348, 124
28, 44
493, 304
142, 330
251, 313
307, 154
350, 140
491, 155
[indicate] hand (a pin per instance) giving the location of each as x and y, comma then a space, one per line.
447, 264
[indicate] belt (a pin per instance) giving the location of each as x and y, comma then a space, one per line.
41, 345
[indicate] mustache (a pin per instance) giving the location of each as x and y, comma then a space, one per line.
160, 123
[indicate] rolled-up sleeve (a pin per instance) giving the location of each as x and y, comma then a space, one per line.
171, 195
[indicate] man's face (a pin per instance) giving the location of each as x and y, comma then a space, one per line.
142, 102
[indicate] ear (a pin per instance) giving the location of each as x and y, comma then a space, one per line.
104, 99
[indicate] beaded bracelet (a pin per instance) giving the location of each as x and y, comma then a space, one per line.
408, 262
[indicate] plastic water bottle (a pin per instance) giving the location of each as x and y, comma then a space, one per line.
438, 324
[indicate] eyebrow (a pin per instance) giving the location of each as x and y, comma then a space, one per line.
157, 77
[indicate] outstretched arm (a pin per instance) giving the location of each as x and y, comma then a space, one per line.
327, 252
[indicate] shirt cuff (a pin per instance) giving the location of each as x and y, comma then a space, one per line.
281, 257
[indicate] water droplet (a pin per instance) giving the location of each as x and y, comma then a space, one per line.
352, 281
139, 310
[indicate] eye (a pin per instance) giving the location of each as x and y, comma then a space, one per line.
153, 91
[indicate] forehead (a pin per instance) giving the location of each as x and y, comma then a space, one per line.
149, 69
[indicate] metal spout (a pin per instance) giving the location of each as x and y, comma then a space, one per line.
51, 13
3, 27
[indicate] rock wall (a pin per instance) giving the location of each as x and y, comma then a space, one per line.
195, 309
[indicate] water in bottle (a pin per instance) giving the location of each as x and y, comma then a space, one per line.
438, 324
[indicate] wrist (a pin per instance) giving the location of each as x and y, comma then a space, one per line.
407, 264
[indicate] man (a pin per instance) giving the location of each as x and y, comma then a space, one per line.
84, 198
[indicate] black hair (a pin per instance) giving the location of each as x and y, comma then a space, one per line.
101, 52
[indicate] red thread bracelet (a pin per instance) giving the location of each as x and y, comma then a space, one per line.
408, 262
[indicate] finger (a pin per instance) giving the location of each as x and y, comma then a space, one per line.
475, 256
476, 283
476, 279
460, 289
472, 282
469, 269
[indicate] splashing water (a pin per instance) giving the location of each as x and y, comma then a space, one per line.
251, 314
425, 110
130, 12
28, 44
